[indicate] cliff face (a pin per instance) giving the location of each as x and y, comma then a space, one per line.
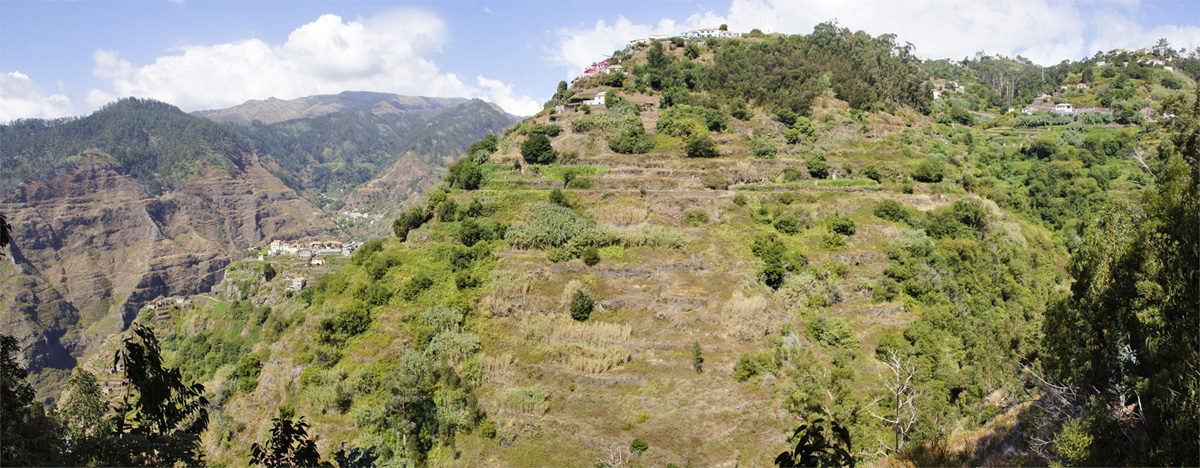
90, 248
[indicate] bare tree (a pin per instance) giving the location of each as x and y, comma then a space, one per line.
903, 391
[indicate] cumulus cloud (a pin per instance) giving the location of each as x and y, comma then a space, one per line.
1045, 31
386, 53
503, 95
20, 97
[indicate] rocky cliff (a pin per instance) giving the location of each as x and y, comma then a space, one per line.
90, 248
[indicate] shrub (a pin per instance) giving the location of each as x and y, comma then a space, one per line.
537, 150
409, 220
638, 446
344, 324
416, 286
582, 305
590, 256
745, 369
469, 232
872, 173
715, 179
885, 290
891, 210
791, 136
841, 224
632, 141
558, 255
832, 332
700, 146
929, 171
740, 199
697, 358
548, 226
792, 174
787, 224
447, 211
559, 198
817, 167
695, 218
763, 148
464, 174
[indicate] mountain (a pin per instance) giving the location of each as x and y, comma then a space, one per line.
747, 236
278, 110
136, 201
749, 249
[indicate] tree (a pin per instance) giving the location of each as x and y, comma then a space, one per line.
464, 174
160, 418
656, 58
723, 27
409, 220
29, 436
691, 51
83, 408
268, 272
581, 305
901, 393
817, 167
697, 358
559, 198
288, 445
4, 230
537, 150
701, 145
590, 255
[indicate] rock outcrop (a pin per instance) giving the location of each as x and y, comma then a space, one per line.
90, 248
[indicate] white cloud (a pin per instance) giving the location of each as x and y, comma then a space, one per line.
20, 97
502, 94
1045, 31
386, 53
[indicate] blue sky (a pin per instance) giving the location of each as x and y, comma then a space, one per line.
61, 58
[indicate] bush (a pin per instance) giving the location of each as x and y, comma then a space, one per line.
700, 146
872, 173
581, 305
745, 369
464, 174
715, 179
792, 174
832, 331
891, 210
695, 218
590, 256
740, 199
763, 148
818, 168
447, 211
787, 224
559, 198
638, 446
537, 150
632, 141
558, 256
416, 286
791, 136
885, 290
841, 224
929, 171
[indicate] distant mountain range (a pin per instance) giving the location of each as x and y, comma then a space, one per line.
140, 200
274, 110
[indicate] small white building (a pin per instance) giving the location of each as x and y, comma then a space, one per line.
317, 261
597, 100
1081, 86
1064, 108
297, 284
937, 93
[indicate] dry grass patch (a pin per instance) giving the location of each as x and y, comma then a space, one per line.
524, 401
507, 291
587, 357
619, 215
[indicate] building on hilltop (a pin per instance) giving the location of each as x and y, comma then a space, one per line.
297, 284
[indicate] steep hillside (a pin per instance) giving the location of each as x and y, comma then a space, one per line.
689, 271
142, 210
278, 110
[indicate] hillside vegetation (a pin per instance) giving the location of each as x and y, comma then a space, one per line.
750, 239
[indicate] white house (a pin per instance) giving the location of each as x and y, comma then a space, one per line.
1081, 86
275, 246
937, 93
597, 100
317, 261
297, 284
728, 34
1064, 108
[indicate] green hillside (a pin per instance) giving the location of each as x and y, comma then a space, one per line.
748, 236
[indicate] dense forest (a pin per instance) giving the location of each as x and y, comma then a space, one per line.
764, 244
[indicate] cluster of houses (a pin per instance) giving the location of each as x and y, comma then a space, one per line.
311, 249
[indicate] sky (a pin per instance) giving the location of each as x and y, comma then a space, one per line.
67, 58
